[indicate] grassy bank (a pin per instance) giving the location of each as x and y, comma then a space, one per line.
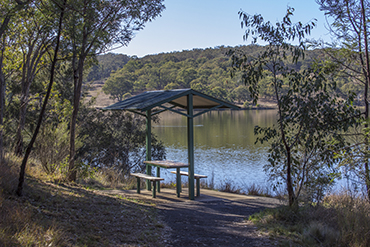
52, 214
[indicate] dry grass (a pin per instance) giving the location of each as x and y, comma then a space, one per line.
256, 190
63, 214
353, 219
106, 178
340, 220
102, 100
229, 187
251, 190
19, 224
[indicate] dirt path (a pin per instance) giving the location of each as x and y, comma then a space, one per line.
214, 219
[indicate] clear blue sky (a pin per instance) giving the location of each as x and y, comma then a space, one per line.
188, 24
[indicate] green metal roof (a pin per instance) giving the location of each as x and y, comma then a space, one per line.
177, 98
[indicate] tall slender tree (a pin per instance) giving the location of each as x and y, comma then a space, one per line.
308, 114
62, 7
35, 41
8, 9
94, 27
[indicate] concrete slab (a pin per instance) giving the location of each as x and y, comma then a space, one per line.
167, 196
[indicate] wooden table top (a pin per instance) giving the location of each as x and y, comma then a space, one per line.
166, 163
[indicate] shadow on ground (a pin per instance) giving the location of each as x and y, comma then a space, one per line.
213, 219
92, 217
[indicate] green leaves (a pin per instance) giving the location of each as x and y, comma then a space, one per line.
119, 84
310, 116
276, 34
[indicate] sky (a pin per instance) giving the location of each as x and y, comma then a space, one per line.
189, 24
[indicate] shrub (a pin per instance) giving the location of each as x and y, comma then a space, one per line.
318, 233
52, 146
116, 140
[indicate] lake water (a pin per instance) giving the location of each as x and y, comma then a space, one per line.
224, 145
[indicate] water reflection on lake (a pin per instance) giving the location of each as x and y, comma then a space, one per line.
224, 145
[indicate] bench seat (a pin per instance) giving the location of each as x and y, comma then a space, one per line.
147, 177
197, 177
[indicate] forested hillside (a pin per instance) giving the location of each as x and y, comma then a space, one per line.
205, 70
105, 64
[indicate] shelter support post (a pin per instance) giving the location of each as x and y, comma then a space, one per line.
178, 182
198, 187
158, 182
191, 145
148, 146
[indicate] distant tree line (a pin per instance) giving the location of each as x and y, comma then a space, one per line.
205, 70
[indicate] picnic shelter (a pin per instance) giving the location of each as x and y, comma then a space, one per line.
187, 102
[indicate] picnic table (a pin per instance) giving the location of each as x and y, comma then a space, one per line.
167, 164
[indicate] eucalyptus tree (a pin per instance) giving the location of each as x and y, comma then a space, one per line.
93, 27
348, 57
309, 116
8, 10
35, 34
3, 43
60, 11
119, 84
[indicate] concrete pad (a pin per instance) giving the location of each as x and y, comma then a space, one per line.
169, 196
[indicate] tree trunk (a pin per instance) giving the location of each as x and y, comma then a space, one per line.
23, 107
289, 183
366, 165
2, 104
78, 78
22, 121
3, 28
72, 172
31, 59
367, 76
19, 191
